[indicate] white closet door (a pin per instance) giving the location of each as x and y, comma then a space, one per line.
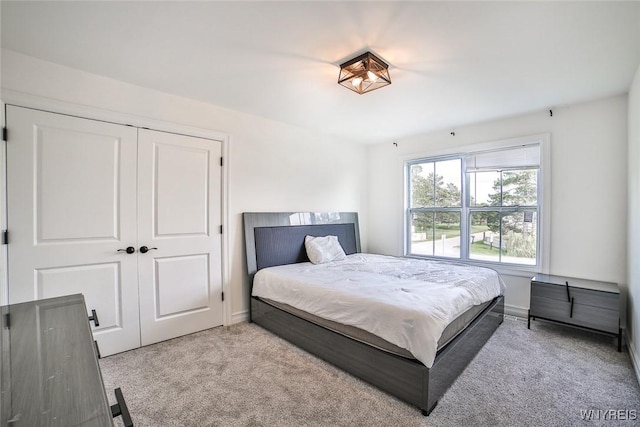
179, 215
71, 200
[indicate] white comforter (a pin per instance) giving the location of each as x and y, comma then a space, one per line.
408, 302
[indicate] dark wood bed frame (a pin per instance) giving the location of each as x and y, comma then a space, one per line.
278, 238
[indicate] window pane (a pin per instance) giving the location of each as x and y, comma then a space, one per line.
436, 184
448, 183
484, 188
422, 191
485, 236
510, 239
519, 188
519, 237
447, 234
422, 232
435, 233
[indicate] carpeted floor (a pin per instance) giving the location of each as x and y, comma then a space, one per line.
242, 375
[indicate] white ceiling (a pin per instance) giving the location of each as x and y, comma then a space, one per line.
451, 63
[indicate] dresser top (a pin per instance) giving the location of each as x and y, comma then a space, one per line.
577, 283
49, 372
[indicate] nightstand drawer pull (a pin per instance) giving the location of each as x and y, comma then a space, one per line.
571, 309
120, 409
568, 294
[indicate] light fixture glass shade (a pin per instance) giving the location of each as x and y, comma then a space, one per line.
364, 73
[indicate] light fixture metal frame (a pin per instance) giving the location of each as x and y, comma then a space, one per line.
358, 68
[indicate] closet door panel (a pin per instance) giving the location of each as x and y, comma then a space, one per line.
192, 295
71, 199
179, 214
76, 185
182, 201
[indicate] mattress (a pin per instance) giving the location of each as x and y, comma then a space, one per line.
406, 302
452, 330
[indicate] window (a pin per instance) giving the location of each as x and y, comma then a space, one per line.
436, 207
483, 205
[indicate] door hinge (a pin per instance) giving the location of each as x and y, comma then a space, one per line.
221, 229
7, 321
222, 296
4, 134
221, 161
5, 237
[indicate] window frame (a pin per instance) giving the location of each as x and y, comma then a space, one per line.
543, 202
435, 209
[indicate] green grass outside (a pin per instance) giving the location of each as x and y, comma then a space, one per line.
480, 248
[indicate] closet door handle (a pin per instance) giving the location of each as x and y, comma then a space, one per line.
129, 250
94, 318
144, 249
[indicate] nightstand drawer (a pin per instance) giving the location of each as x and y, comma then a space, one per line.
595, 298
596, 318
550, 309
581, 315
546, 290
581, 296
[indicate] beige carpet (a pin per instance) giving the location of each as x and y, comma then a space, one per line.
244, 376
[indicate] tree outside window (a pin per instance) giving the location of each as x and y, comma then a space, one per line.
436, 202
510, 218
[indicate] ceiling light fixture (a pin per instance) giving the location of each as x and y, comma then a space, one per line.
364, 73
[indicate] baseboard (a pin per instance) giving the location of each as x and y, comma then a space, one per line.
239, 317
635, 356
515, 311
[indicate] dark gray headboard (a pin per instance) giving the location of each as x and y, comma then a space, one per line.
285, 245
277, 238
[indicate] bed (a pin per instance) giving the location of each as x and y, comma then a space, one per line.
275, 243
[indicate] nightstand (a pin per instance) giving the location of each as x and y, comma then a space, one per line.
50, 375
586, 304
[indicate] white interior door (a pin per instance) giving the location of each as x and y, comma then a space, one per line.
71, 209
179, 215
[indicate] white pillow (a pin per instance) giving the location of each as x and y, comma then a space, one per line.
323, 249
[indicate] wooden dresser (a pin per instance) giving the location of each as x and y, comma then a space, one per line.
586, 304
50, 374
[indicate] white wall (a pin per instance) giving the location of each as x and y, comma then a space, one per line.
633, 258
272, 166
588, 188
